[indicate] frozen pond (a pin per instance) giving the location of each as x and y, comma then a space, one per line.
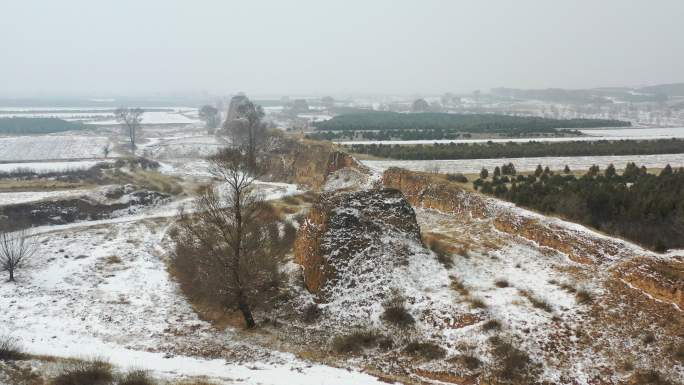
470, 166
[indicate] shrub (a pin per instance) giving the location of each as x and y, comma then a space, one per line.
92, 372
136, 377
426, 350
469, 360
676, 350
648, 377
356, 341
512, 363
501, 283
10, 350
649, 338
386, 343
568, 287
491, 325
457, 284
441, 250
477, 303
311, 313
583, 296
460, 178
395, 311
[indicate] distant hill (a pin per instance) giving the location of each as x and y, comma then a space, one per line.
598, 95
674, 89
556, 95
37, 125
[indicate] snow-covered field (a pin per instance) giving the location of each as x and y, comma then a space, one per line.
593, 135
43, 167
637, 133
10, 198
48, 147
470, 166
156, 117
182, 147
102, 115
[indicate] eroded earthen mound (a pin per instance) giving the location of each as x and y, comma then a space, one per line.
344, 230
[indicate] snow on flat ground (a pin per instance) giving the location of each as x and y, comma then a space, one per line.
43, 167
102, 115
182, 147
155, 117
469, 166
10, 198
48, 147
637, 133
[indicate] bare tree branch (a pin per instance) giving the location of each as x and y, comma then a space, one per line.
130, 118
15, 250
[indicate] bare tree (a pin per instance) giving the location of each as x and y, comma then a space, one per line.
130, 118
244, 124
15, 250
210, 116
106, 149
253, 114
225, 247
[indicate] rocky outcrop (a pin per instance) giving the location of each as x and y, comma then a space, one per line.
305, 162
659, 278
578, 248
346, 233
428, 191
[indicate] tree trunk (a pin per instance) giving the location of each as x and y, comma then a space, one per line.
246, 311
11, 273
131, 135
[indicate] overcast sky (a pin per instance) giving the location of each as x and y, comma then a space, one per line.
306, 47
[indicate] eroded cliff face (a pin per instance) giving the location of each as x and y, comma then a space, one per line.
346, 233
660, 278
428, 191
304, 162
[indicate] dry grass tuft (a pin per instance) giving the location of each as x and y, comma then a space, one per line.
583, 296
491, 325
356, 341
10, 350
539, 303
136, 377
90, 372
426, 350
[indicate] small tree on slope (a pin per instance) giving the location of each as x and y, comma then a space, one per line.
15, 250
225, 246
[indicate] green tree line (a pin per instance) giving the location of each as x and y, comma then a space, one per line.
37, 125
474, 123
643, 207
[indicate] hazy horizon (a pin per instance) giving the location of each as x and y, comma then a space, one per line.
83, 48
